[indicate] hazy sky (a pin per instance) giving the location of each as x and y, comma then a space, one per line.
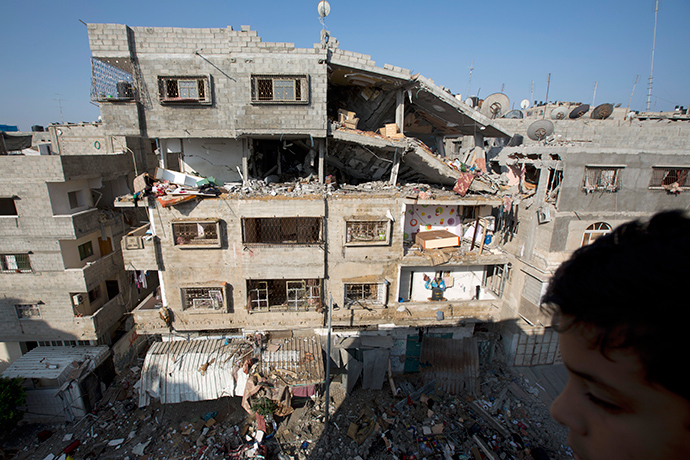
45, 71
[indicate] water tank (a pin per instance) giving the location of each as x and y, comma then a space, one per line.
37, 129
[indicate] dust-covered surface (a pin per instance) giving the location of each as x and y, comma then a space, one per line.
506, 421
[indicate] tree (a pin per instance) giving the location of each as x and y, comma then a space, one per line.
12, 395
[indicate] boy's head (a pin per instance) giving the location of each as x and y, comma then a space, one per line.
622, 310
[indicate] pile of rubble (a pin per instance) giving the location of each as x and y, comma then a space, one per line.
506, 421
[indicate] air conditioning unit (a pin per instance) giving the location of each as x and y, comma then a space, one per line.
77, 298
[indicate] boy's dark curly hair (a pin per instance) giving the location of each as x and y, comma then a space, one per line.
629, 287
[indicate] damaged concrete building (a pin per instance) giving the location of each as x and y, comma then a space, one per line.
332, 167
293, 180
62, 277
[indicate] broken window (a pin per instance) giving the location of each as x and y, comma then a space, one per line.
495, 278
203, 298
284, 295
290, 89
27, 311
554, 185
15, 263
594, 231
7, 207
186, 89
282, 230
666, 177
605, 178
196, 233
367, 232
365, 293
85, 250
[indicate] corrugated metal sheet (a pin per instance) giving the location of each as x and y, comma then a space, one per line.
55, 363
453, 363
172, 372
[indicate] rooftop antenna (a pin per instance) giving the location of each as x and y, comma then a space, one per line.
62, 118
531, 91
595, 92
324, 8
469, 80
548, 85
651, 69
627, 109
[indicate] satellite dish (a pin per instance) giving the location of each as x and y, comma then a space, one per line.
602, 112
324, 8
561, 113
495, 105
472, 101
540, 130
579, 111
514, 114
524, 104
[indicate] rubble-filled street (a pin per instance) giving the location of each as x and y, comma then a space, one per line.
508, 420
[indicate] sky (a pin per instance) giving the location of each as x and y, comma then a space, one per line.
512, 46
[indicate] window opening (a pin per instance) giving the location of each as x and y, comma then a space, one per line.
27, 311
186, 89
367, 232
365, 293
85, 250
111, 79
95, 294
594, 231
7, 207
495, 279
76, 199
666, 177
15, 263
280, 89
284, 295
196, 233
282, 230
602, 178
203, 298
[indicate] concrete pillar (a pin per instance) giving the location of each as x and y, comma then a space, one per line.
395, 168
322, 159
534, 221
400, 109
245, 159
163, 153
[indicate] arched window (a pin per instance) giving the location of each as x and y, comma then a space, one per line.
594, 231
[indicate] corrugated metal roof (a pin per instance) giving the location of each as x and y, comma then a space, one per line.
55, 363
454, 364
201, 369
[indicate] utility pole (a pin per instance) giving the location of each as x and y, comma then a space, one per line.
651, 69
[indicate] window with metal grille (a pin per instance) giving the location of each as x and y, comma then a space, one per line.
282, 230
184, 89
594, 231
365, 293
196, 233
284, 295
367, 232
15, 263
203, 298
27, 311
284, 89
667, 177
604, 178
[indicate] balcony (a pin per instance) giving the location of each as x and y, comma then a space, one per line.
103, 319
139, 250
94, 273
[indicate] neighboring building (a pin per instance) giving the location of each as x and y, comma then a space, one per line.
62, 276
581, 181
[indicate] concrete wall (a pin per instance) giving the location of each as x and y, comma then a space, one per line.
228, 58
218, 158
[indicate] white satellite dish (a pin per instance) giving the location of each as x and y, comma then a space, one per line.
524, 104
324, 8
469, 102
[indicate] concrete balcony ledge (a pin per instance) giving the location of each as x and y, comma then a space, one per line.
94, 273
445, 313
139, 250
103, 319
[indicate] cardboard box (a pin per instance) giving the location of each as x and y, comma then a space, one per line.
391, 129
435, 239
347, 118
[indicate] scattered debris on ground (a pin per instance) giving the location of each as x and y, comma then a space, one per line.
505, 421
